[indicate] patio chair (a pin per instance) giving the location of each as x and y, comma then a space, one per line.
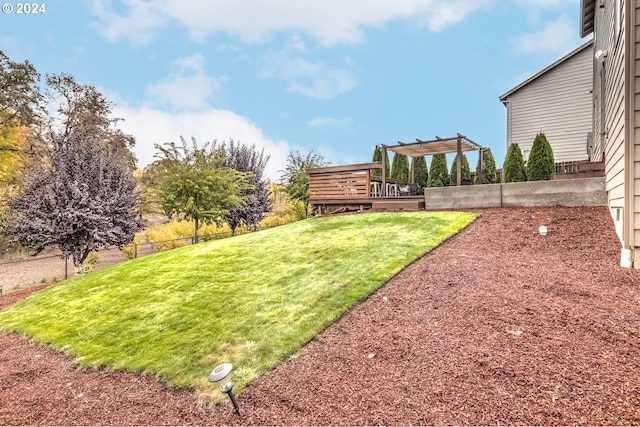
376, 189
393, 190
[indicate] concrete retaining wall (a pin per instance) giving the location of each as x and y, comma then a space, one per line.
567, 192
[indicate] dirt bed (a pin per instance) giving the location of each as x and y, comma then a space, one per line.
499, 325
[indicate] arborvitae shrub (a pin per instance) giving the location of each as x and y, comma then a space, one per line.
377, 157
420, 170
513, 168
438, 175
400, 168
488, 168
466, 172
540, 165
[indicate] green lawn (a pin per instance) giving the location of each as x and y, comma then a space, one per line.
251, 300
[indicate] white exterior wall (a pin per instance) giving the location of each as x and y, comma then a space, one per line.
617, 116
558, 103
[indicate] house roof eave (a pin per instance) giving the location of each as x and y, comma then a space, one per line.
503, 97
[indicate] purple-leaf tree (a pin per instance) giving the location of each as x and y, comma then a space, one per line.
85, 199
256, 198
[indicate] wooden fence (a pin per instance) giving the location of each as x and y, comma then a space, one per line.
341, 182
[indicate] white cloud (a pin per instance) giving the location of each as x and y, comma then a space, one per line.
556, 37
138, 24
443, 14
188, 87
314, 80
547, 3
329, 122
327, 21
151, 126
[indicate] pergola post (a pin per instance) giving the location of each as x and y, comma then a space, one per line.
383, 149
413, 171
481, 160
459, 162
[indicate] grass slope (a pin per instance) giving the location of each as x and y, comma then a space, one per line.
252, 300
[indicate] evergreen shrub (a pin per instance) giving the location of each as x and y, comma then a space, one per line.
540, 166
513, 168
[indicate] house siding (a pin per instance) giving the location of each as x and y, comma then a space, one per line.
557, 103
609, 107
634, 157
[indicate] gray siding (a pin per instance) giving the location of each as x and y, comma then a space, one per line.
634, 151
558, 103
619, 93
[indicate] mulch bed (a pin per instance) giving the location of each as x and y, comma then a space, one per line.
499, 325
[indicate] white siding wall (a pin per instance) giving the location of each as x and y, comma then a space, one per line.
558, 103
634, 152
621, 94
609, 125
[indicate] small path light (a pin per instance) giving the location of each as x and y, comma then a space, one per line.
221, 375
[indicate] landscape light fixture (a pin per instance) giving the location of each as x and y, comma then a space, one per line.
221, 375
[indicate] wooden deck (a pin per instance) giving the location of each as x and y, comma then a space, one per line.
402, 203
348, 188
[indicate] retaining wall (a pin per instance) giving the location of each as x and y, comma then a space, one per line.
567, 192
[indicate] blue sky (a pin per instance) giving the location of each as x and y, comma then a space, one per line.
333, 76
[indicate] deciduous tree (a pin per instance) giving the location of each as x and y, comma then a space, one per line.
256, 199
84, 110
20, 97
296, 178
83, 200
193, 183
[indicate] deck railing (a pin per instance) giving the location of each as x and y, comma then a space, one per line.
578, 169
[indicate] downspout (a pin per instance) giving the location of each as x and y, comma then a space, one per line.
603, 106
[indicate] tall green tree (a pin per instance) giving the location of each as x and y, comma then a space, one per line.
21, 101
82, 200
513, 168
488, 168
466, 172
257, 200
377, 157
21, 111
438, 175
420, 170
296, 178
192, 182
83, 110
540, 165
400, 168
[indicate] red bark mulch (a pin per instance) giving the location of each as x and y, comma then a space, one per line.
499, 325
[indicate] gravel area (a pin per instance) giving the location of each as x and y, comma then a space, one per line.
47, 268
499, 325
